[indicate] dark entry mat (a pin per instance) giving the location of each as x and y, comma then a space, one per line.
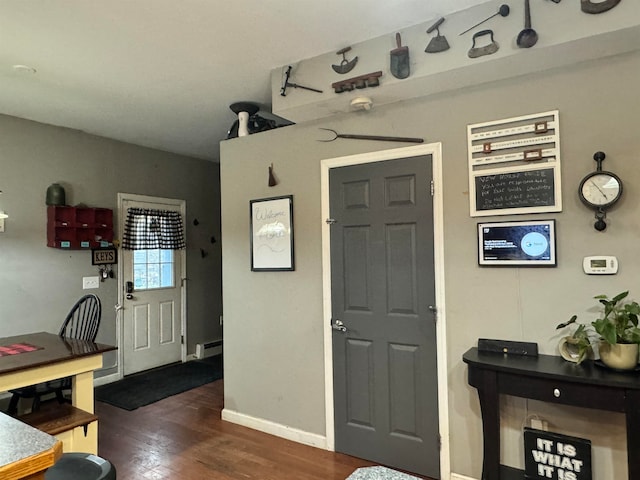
148, 387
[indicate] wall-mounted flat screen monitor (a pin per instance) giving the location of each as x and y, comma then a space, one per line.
529, 243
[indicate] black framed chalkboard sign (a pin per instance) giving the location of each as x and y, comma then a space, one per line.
514, 166
521, 191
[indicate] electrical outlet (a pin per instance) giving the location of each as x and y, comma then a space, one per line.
90, 282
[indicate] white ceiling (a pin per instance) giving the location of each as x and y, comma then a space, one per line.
162, 73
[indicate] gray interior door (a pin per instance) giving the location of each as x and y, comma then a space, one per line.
383, 292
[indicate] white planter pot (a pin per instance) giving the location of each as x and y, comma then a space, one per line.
570, 351
621, 356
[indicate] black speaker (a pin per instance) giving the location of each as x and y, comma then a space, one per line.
507, 346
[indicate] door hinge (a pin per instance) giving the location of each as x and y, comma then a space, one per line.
439, 442
181, 339
433, 309
432, 188
330, 221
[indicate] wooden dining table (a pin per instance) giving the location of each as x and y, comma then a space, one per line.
39, 357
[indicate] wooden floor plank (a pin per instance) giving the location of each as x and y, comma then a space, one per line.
184, 437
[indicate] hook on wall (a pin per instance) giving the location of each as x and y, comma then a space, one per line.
272, 178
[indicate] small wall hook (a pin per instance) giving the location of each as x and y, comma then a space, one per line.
272, 179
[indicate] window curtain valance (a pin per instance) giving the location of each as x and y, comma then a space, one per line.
147, 229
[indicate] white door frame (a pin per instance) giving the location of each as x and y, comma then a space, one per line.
435, 150
122, 215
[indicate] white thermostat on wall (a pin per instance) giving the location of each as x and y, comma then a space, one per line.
600, 265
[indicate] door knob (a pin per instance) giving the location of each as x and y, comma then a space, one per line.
338, 325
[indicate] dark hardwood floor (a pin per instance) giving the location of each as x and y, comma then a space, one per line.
182, 437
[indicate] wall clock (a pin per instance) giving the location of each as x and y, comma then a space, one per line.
600, 190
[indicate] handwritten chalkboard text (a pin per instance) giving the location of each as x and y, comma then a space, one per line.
533, 188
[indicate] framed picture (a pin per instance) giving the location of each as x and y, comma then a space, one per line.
524, 243
272, 234
104, 256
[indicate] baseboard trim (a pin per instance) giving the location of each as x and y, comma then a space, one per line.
455, 476
106, 379
277, 429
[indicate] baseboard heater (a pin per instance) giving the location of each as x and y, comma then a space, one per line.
208, 349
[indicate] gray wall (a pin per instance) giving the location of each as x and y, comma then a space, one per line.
273, 321
38, 284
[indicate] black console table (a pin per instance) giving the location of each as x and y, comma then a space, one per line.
549, 378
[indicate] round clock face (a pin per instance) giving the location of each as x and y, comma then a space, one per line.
600, 189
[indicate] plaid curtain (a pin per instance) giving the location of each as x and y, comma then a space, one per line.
148, 229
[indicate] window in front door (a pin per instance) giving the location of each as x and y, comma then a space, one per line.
153, 269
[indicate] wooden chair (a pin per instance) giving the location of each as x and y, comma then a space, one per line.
81, 323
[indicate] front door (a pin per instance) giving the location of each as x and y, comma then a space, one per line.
383, 292
152, 315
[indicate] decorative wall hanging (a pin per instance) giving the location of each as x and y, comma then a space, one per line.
272, 178
286, 84
528, 37
503, 11
272, 234
362, 81
480, 51
380, 138
439, 42
514, 165
589, 6
399, 66
345, 65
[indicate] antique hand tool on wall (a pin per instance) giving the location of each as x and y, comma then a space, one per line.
528, 37
439, 42
337, 135
287, 83
503, 11
362, 81
589, 6
400, 59
489, 49
345, 65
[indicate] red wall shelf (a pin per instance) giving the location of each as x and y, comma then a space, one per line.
77, 228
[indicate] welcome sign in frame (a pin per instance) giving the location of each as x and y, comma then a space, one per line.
272, 234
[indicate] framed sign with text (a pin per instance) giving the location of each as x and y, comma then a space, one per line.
272, 234
104, 256
514, 165
550, 455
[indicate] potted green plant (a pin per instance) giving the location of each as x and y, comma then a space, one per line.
576, 346
619, 332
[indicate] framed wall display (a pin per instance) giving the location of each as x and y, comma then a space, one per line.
529, 243
514, 165
104, 256
272, 234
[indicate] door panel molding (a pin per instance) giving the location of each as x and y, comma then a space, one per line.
435, 150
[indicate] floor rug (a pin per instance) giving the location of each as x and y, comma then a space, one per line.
379, 473
150, 386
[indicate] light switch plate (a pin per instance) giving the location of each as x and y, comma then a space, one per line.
90, 282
